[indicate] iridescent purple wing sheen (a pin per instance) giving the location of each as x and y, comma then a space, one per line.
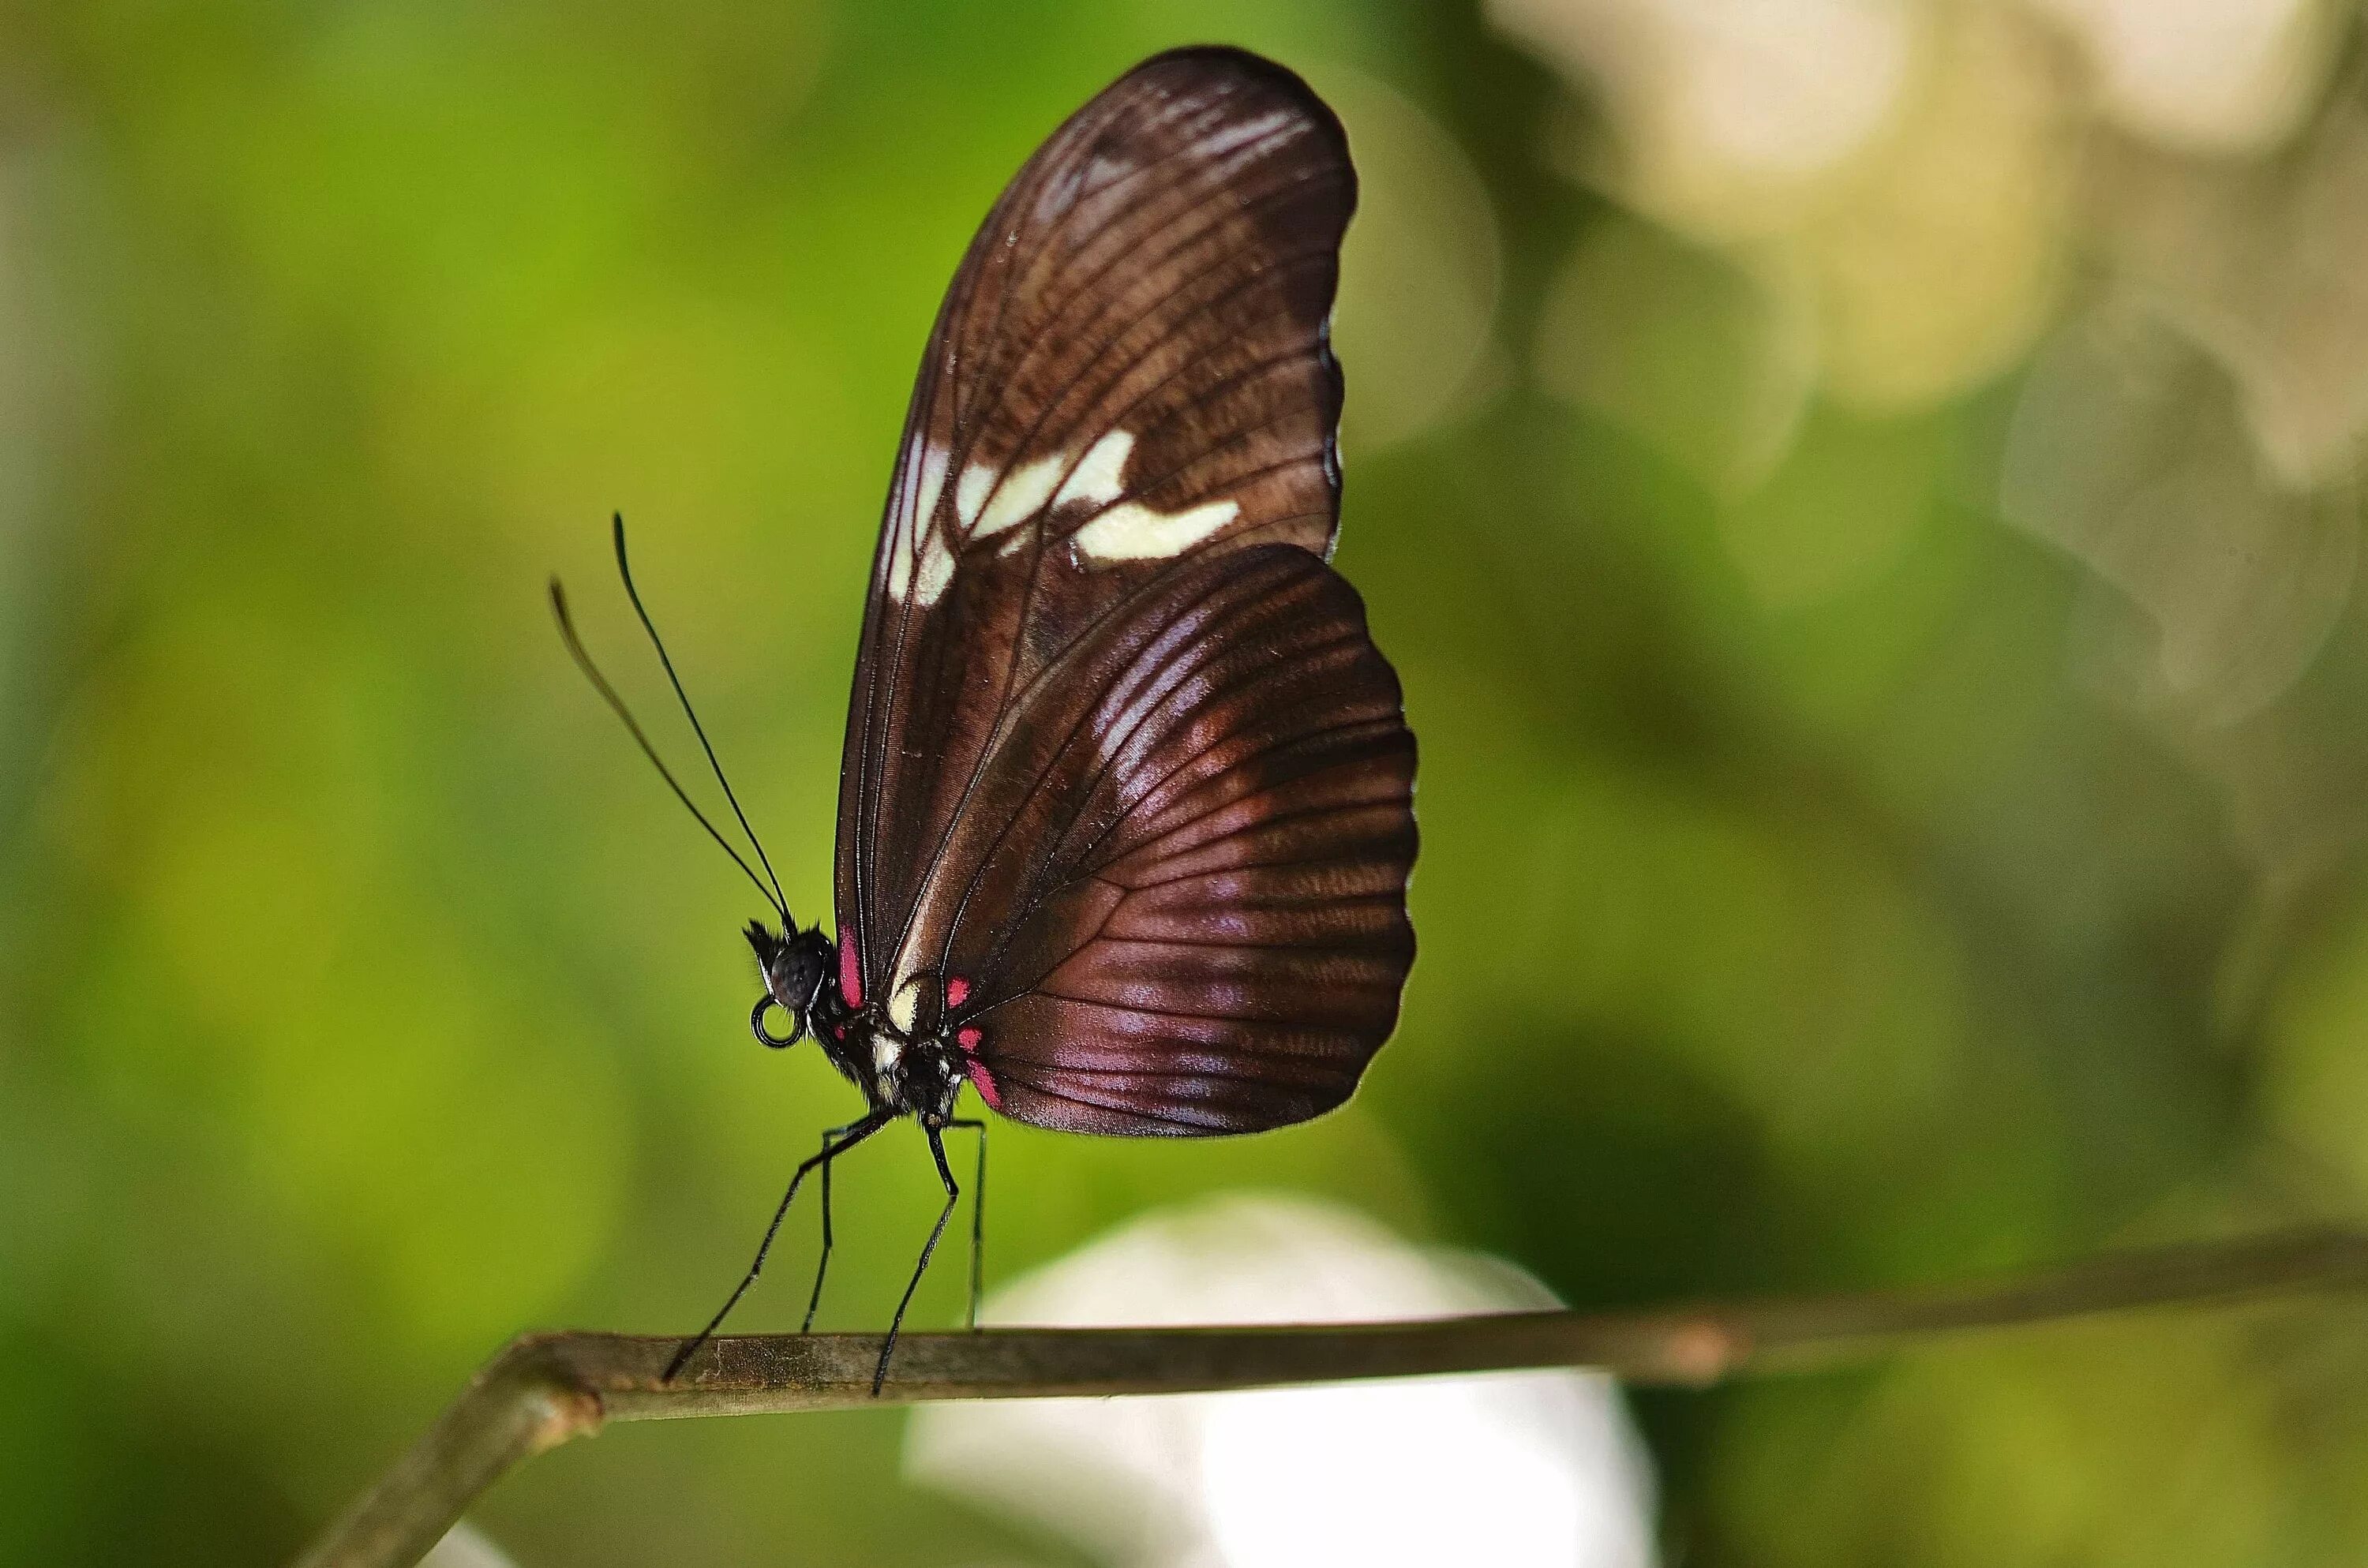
1119, 447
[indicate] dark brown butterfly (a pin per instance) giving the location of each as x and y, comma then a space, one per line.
1125, 810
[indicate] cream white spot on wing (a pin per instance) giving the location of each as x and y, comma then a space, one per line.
1025, 491
988, 502
928, 482
933, 480
970, 491
982, 508
936, 571
1100, 475
1135, 532
904, 1005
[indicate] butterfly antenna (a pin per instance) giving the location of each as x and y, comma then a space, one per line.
616, 704
625, 571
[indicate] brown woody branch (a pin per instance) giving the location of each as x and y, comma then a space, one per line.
545, 1389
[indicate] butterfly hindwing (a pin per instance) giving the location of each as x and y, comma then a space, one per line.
1101, 632
1194, 920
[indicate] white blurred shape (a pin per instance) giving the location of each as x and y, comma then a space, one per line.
1936, 266
1715, 100
1264, 1455
2206, 75
2257, 261
465, 1546
1895, 174
2126, 450
1522, 1469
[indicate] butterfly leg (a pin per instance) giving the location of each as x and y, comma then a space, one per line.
862, 1130
953, 1196
822, 1266
977, 1219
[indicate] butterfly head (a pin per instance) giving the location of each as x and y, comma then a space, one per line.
797, 968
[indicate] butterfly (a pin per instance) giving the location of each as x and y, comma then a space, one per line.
1125, 812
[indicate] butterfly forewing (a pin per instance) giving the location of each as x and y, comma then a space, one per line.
1123, 766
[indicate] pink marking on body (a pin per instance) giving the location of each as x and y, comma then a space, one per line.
985, 1082
850, 973
957, 992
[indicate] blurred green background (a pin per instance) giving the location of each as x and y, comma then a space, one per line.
1863, 499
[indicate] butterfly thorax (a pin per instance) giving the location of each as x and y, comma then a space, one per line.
896, 1070
915, 1076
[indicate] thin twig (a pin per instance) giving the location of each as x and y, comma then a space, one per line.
545, 1389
